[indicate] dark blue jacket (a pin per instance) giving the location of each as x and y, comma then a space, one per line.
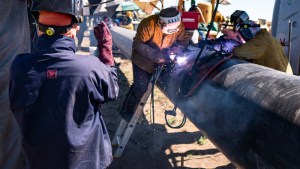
55, 96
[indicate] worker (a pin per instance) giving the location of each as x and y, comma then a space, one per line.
155, 34
56, 94
127, 21
14, 39
259, 47
201, 20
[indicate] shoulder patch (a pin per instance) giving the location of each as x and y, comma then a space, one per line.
51, 74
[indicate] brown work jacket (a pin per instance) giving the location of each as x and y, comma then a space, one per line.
264, 50
149, 41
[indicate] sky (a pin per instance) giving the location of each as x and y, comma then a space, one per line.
256, 9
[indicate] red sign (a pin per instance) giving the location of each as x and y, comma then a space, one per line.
190, 20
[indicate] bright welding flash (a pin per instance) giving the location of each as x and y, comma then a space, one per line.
172, 56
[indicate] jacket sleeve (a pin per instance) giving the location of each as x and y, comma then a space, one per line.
144, 33
254, 48
105, 82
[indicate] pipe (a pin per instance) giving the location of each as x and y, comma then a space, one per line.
251, 113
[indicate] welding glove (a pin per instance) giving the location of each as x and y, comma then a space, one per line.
160, 57
104, 39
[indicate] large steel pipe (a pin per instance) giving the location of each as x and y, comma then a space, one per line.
250, 112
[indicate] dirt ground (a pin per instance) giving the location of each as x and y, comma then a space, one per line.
157, 146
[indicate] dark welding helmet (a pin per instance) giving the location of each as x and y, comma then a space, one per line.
239, 17
71, 7
245, 27
248, 29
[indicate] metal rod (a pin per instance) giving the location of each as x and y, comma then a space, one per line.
290, 40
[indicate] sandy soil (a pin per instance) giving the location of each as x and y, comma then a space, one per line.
156, 146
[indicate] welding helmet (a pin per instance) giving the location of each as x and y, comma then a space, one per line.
169, 20
71, 7
242, 25
247, 29
67, 12
238, 17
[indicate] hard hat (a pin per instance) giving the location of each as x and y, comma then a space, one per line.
169, 20
71, 7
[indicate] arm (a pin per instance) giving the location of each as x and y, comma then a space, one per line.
144, 34
254, 48
105, 82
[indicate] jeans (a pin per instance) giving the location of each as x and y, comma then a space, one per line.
139, 87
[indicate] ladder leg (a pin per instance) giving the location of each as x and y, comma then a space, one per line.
119, 133
122, 141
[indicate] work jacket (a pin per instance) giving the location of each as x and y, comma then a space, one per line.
149, 40
55, 96
264, 50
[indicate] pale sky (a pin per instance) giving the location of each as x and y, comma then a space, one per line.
256, 9
262, 9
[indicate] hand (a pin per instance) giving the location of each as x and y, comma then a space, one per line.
160, 58
104, 38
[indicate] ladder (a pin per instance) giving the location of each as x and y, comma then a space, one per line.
125, 129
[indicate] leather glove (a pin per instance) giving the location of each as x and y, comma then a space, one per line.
104, 39
160, 58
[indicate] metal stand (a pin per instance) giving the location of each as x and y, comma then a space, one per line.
125, 129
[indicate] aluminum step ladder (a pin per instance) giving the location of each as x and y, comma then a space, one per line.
125, 129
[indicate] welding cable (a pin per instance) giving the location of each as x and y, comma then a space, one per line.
154, 78
174, 114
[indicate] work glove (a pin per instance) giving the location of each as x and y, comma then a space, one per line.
104, 39
160, 58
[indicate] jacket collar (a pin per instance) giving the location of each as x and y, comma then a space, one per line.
56, 43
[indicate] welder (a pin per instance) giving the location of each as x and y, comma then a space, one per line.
154, 37
56, 94
259, 47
